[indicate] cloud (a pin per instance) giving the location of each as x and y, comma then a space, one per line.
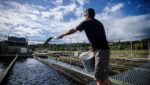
34, 21
59, 11
79, 11
35, 42
20, 20
24, 31
38, 22
57, 2
82, 2
127, 28
114, 8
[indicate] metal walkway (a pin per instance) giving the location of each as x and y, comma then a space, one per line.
135, 76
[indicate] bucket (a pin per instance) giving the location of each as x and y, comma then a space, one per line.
88, 61
149, 57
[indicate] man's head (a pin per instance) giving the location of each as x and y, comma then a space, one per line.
90, 12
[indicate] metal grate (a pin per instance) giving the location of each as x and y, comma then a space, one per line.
136, 76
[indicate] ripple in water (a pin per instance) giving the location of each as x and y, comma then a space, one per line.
32, 72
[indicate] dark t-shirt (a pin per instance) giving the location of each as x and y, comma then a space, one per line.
95, 32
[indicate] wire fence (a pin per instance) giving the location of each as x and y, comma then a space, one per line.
116, 44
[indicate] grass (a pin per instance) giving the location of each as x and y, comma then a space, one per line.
73, 61
135, 54
119, 62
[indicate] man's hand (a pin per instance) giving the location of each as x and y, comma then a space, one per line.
60, 37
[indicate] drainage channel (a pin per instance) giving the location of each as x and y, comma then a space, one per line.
32, 72
6, 64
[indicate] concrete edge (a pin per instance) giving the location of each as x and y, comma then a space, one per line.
4, 73
81, 78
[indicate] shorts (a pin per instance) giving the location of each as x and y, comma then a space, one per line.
101, 64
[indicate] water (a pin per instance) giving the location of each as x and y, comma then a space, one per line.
4, 63
32, 72
69, 66
1, 65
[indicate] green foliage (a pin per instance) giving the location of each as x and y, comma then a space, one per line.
69, 47
136, 45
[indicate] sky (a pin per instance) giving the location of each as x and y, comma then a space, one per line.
124, 20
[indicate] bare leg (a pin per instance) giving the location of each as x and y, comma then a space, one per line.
99, 82
107, 82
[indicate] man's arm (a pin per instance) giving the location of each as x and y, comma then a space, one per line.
71, 31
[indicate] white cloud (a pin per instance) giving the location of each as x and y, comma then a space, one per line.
79, 11
33, 17
20, 20
114, 8
126, 28
120, 27
35, 42
58, 15
82, 2
32, 21
57, 2
59, 11
27, 31
39, 23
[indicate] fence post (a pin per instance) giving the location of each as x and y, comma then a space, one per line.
131, 47
70, 53
148, 50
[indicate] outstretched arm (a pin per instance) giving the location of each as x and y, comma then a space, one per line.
71, 31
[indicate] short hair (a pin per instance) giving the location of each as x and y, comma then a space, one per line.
91, 12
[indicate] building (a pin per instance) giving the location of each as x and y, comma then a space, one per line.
14, 45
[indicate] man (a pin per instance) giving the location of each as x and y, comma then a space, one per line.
96, 35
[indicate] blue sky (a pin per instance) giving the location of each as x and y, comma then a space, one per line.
39, 19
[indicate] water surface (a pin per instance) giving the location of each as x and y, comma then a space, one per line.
32, 72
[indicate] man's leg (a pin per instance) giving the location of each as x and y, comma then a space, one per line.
101, 67
107, 82
99, 82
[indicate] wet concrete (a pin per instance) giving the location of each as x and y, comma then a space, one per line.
32, 72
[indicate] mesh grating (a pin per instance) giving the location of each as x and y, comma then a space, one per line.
136, 76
